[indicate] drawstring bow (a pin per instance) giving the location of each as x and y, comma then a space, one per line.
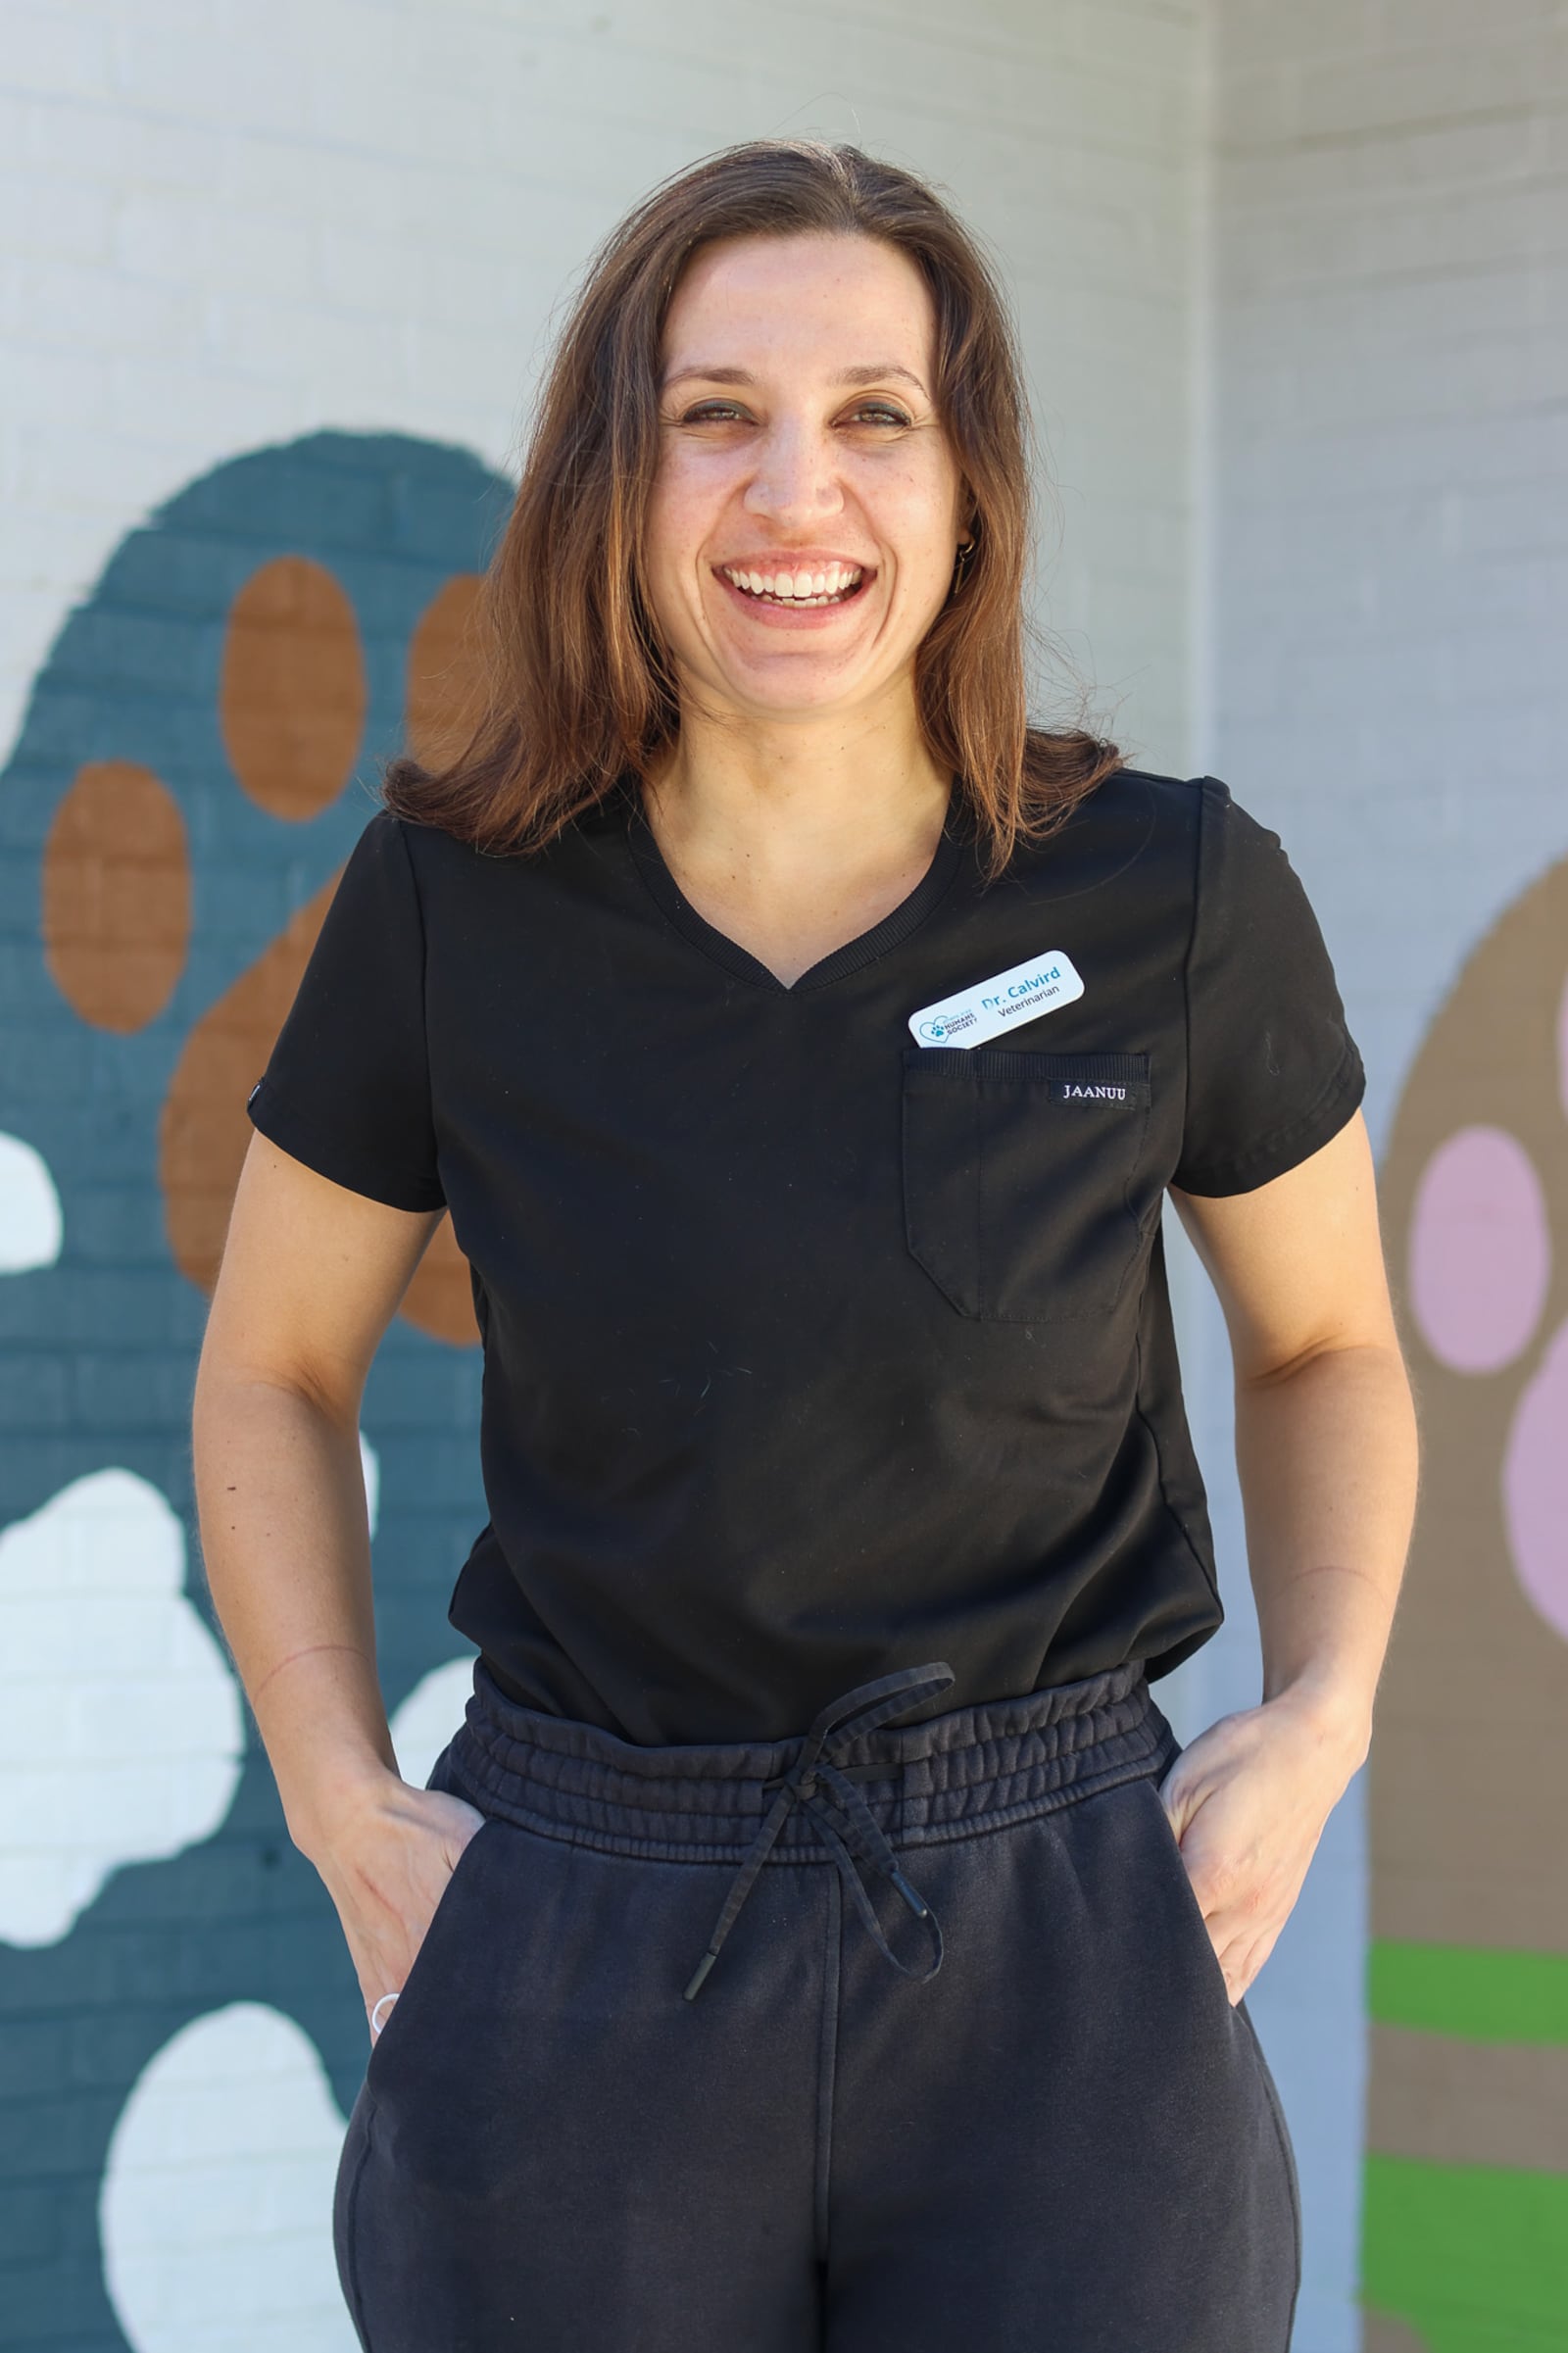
846, 1821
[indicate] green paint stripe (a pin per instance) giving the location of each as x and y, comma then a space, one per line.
1463, 1990
1474, 2257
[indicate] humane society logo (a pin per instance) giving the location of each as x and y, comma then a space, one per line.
943, 1026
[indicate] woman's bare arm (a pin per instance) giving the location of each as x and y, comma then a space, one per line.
1325, 1426
1326, 1453
311, 1275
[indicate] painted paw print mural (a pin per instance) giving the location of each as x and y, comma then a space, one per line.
1465, 2221
177, 2007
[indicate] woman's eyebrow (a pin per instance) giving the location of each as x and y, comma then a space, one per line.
872, 373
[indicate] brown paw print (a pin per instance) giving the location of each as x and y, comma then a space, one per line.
119, 900
1465, 2222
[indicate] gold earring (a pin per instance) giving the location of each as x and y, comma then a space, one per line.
966, 551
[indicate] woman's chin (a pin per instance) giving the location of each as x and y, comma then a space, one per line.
802, 682
797, 702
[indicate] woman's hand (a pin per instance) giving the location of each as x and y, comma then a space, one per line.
386, 1870
1247, 1800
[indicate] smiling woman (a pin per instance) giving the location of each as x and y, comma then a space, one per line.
803, 1046
693, 420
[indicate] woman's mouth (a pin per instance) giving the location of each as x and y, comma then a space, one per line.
797, 591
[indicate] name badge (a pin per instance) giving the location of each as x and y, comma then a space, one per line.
1040, 985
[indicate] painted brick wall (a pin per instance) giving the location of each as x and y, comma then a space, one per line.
1381, 679
220, 229
273, 285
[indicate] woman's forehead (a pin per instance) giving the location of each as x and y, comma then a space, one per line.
831, 302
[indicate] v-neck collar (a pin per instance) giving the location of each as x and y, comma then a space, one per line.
852, 957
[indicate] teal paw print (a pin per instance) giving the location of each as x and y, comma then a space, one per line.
177, 2011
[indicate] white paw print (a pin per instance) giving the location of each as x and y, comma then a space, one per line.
121, 1736
215, 2209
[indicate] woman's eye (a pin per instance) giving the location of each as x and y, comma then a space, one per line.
722, 413
879, 413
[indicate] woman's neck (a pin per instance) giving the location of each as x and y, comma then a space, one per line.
792, 839
789, 803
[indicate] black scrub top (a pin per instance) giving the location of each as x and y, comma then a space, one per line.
812, 1350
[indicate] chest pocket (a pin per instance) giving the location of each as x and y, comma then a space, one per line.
1017, 1177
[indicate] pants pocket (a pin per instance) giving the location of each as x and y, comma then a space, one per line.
1196, 1947
1018, 1178
1182, 1907
439, 1954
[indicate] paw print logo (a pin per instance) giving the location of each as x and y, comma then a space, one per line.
175, 2002
1465, 2214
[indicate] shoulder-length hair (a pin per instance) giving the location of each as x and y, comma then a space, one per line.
578, 690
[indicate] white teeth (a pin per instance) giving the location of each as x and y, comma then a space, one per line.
799, 588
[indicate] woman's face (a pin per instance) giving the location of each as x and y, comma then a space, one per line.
807, 504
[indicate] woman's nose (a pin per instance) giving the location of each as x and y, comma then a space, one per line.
796, 477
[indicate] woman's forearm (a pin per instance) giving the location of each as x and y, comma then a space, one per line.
1327, 1459
286, 1539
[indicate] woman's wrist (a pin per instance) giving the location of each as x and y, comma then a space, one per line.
1334, 1709
323, 1818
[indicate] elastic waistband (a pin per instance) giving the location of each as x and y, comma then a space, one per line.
973, 1769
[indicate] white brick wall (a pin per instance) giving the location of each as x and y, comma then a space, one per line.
1391, 534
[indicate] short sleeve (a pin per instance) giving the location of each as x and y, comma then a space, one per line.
347, 1086
1272, 1071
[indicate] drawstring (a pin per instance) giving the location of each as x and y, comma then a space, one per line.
846, 1820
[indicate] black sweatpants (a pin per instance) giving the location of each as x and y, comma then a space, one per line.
575, 2137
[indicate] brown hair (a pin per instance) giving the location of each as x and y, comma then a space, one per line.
578, 689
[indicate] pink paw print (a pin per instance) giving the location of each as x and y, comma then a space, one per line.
1479, 1277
